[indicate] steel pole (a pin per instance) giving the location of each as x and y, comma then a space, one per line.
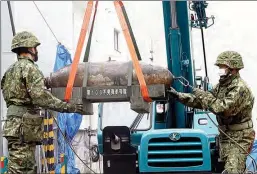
1, 105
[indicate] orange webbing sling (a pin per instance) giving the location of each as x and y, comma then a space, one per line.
74, 65
118, 6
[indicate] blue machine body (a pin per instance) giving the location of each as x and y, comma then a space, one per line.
194, 146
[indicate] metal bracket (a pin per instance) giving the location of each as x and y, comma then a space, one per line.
88, 107
132, 93
200, 20
89, 95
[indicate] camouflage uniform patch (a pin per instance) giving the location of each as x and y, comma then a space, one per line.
232, 102
21, 158
23, 88
234, 156
23, 85
24, 91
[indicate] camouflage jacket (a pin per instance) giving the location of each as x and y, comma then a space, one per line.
23, 85
231, 101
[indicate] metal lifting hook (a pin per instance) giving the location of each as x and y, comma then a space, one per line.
183, 81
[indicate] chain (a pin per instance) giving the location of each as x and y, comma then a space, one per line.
183, 81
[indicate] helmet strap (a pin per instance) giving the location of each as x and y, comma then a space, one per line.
35, 55
227, 76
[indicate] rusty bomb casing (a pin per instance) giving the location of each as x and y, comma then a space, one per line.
112, 73
112, 81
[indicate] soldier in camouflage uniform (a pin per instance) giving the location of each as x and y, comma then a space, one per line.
24, 92
231, 101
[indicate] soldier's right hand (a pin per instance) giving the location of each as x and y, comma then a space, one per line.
46, 82
75, 108
79, 109
173, 93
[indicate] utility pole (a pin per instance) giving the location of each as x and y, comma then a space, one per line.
1, 107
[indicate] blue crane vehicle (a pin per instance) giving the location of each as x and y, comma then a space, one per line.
172, 138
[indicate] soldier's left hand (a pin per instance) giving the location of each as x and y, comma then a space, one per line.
173, 93
79, 109
199, 93
46, 82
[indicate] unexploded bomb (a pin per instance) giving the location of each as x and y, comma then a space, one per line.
112, 73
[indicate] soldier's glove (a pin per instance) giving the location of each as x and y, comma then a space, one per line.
46, 82
173, 93
75, 108
199, 93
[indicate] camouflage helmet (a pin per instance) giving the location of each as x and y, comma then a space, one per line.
24, 39
230, 58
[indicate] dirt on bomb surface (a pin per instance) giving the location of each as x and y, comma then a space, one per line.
112, 73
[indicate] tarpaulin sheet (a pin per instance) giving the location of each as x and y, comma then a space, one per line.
251, 165
69, 123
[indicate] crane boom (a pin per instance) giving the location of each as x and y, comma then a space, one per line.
177, 35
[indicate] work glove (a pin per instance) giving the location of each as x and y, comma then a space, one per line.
199, 93
173, 93
75, 108
46, 82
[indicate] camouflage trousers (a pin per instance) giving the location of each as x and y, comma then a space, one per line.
21, 158
234, 156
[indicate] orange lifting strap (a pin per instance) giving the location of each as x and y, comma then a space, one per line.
82, 36
118, 6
